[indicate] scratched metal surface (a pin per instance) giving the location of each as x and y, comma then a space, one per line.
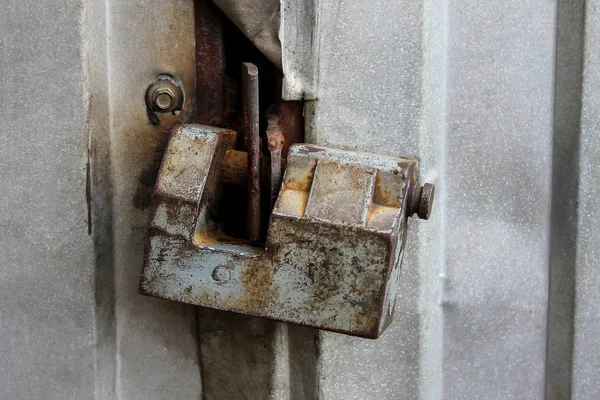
473, 96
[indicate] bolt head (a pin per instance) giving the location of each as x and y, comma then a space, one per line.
426, 201
164, 100
164, 96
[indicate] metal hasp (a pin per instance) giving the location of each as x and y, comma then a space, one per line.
334, 244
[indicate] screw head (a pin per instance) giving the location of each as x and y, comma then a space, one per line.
220, 274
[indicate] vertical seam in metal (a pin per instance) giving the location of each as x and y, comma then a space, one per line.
563, 198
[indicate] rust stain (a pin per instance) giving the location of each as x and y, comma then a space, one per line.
275, 137
291, 123
261, 292
210, 65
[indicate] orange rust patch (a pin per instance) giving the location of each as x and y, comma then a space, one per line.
260, 290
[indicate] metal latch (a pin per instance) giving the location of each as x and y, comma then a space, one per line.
335, 238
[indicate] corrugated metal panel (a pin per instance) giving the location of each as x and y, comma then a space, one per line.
500, 102
474, 302
47, 258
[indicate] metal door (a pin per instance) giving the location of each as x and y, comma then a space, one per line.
498, 100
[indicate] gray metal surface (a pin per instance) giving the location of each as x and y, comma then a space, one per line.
47, 264
499, 140
471, 94
565, 166
298, 33
586, 352
155, 342
361, 105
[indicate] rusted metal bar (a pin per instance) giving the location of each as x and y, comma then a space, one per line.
291, 123
210, 64
275, 142
251, 124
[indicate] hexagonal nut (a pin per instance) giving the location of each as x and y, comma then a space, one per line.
164, 96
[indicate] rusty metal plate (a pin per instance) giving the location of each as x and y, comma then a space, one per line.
334, 244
